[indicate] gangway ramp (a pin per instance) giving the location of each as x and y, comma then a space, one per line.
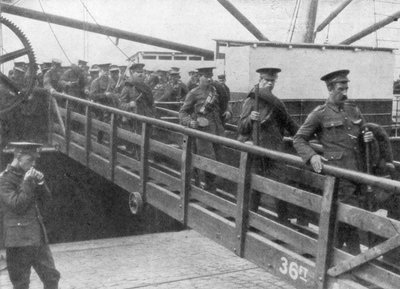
295, 251
166, 260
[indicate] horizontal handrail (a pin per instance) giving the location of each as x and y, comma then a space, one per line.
275, 155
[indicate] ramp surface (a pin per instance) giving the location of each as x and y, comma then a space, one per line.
167, 260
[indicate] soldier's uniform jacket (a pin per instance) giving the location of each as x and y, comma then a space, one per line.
98, 90
337, 129
77, 78
174, 92
274, 120
191, 84
51, 79
193, 103
141, 94
160, 91
19, 200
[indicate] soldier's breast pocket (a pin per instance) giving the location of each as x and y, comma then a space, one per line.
333, 130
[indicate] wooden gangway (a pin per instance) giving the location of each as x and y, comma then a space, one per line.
164, 172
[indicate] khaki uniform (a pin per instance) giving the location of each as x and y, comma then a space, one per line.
274, 121
191, 110
25, 236
337, 129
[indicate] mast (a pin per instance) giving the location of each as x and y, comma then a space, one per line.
312, 18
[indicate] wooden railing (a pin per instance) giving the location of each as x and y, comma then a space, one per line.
165, 174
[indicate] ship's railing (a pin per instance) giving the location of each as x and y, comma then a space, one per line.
166, 175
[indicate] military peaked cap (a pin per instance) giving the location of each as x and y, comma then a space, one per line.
205, 70
222, 76
82, 62
104, 66
25, 147
269, 70
136, 66
336, 76
94, 68
114, 68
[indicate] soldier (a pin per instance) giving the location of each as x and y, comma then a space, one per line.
204, 108
175, 89
98, 93
193, 81
161, 87
136, 97
18, 76
44, 67
337, 124
273, 120
115, 80
22, 189
73, 82
52, 77
222, 81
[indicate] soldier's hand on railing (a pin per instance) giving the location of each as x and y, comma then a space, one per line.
255, 115
316, 163
368, 136
193, 124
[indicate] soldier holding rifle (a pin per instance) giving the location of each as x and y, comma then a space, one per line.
263, 121
337, 125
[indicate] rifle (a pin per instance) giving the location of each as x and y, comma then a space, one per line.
256, 124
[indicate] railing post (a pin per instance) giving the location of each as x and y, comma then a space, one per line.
88, 134
144, 158
50, 122
242, 203
113, 144
186, 176
326, 230
67, 127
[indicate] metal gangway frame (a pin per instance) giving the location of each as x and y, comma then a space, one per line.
226, 219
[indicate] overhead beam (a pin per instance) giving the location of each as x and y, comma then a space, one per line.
332, 16
105, 30
312, 18
243, 20
371, 29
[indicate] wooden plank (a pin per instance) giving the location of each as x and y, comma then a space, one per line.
58, 110
368, 221
212, 226
286, 193
186, 177
280, 261
326, 231
166, 150
365, 257
222, 170
163, 200
88, 134
226, 207
276, 230
370, 272
67, 127
129, 136
126, 179
242, 204
77, 153
171, 182
305, 177
144, 159
59, 141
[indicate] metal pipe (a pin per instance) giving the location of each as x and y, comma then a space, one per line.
355, 176
243, 20
332, 16
105, 30
312, 18
371, 28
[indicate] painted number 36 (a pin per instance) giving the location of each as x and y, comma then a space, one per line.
293, 269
